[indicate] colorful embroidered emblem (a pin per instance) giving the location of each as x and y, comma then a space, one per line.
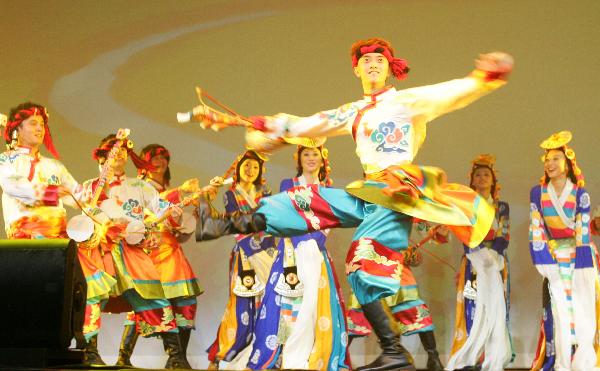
183, 322
584, 200
163, 204
302, 197
391, 138
10, 157
53, 180
364, 250
255, 242
92, 321
419, 320
167, 321
132, 209
341, 115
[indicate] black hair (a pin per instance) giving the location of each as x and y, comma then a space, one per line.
250, 155
153, 150
322, 169
23, 106
570, 170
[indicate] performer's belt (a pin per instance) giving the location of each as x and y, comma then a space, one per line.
40, 225
395, 184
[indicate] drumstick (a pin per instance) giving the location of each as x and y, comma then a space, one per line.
230, 118
83, 209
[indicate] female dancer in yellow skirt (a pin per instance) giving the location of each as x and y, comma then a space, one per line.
138, 279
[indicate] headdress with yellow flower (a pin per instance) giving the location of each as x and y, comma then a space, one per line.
559, 141
488, 161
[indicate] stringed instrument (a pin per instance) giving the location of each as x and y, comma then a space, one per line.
87, 226
137, 230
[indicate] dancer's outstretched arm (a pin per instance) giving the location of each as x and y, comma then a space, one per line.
425, 103
429, 102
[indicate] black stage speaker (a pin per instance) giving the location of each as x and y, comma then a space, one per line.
43, 295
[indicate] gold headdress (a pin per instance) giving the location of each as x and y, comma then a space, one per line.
488, 161
559, 142
307, 142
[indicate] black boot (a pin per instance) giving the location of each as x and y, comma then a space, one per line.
184, 339
433, 358
91, 357
173, 349
212, 225
393, 355
128, 341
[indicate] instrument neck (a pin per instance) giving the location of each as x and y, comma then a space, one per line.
110, 158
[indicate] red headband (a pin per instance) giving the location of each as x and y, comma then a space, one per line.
398, 66
25, 114
155, 152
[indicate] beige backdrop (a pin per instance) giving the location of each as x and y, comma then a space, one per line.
103, 65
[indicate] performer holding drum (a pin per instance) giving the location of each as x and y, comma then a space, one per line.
125, 253
34, 188
176, 275
33, 185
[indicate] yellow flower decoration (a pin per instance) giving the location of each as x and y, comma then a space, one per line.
485, 159
570, 153
489, 161
557, 140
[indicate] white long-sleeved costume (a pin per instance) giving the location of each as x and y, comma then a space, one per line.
25, 181
132, 195
388, 127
